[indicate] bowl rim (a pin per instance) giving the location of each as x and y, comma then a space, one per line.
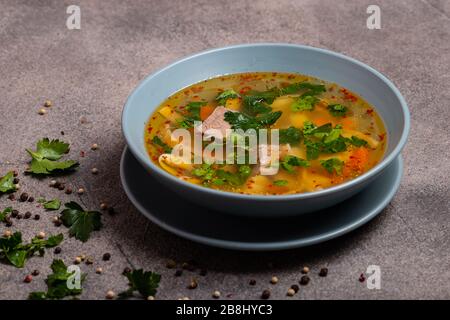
147, 163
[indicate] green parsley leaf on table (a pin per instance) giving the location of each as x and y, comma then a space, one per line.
224, 96
15, 252
80, 222
146, 283
57, 287
7, 183
289, 162
291, 135
333, 165
158, 142
44, 159
337, 110
54, 204
4, 213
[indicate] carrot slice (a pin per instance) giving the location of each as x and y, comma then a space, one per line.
205, 112
357, 162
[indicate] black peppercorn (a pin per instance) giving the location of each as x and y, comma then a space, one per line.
37, 217
27, 215
106, 256
14, 213
323, 272
126, 270
35, 273
57, 250
252, 282
265, 294
24, 197
295, 288
304, 280
31, 199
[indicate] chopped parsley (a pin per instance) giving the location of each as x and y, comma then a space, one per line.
54, 204
333, 165
323, 139
57, 283
337, 110
16, 253
158, 142
4, 213
80, 222
235, 179
280, 183
245, 122
144, 282
224, 96
44, 159
304, 103
291, 135
7, 183
289, 162
357, 142
191, 114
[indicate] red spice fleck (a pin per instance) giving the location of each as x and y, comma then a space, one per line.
291, 76
382, 136
370, 112
362, 278
245, 90
197, 89
82, 154
348, 95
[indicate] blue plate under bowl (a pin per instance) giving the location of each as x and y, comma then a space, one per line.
213, 228
320, 63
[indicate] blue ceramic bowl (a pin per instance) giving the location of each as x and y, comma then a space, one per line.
320, 63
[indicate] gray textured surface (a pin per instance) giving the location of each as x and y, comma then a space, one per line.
91, 71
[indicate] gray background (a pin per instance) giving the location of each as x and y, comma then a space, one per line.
90, 72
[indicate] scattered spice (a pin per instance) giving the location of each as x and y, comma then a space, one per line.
99, 270
110, 295
28, 279
178, 273
94, 170
42, 111
323, 272
12, 197
193, 284
216, 294
103, 206
106, 256
80, 191
24, 197
41, 235
35, 273
295, 288
89, 260
27, 215
77, 260
171, 264
19, 216
68, 190
53, 183
61, 186
37, 217
252, 282
94, 146
14, 213
362, 278
274, 280
305, 270
126, 270
290, 292
31, 199
304, 280
7, 233
150, 298
57, 250
265, 294
48, 103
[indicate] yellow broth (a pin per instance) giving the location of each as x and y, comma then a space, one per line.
359, 127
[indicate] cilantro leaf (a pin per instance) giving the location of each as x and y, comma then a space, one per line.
235, 179
255, 105
304, 103
245, 122
291, 135
54, 204
158, 142
80, 222
337, 110
357, 142
313, 89
16, 253
289, 162
146, 283
7, 183
224, 96
57, 283
280, 183
205, 171
333, 165
267, 96
4, 213
44, 159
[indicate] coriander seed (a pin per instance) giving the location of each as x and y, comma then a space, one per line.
48, 103
110, 295
41, 235
216, 294
94, 146
274, 280
42, 111
80, 191
94, 170
290, 292
99, 270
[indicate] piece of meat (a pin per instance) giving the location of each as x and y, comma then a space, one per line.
215, 125
265, 157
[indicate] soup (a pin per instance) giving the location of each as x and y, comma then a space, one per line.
319, 134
